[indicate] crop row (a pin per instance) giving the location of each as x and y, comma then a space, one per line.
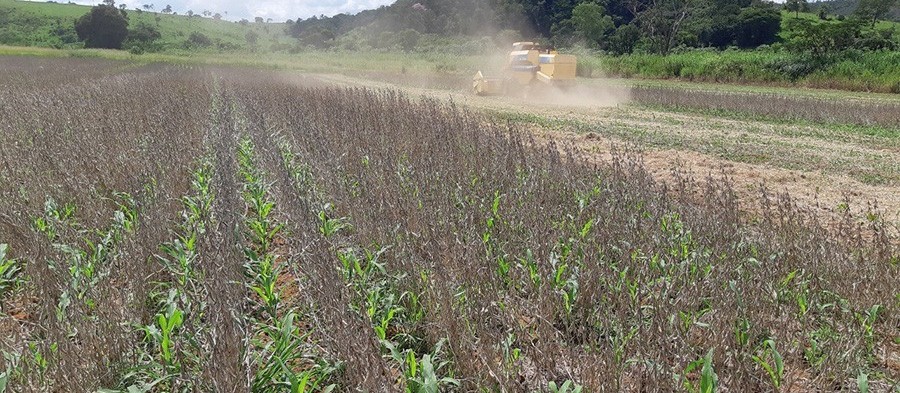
241, 233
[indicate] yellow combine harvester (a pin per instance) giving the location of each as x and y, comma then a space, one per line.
527, 65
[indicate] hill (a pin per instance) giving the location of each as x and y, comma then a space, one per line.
25, 23
846, 8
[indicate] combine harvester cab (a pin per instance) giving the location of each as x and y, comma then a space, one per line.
528, 65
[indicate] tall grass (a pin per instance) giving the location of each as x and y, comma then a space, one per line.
855, 71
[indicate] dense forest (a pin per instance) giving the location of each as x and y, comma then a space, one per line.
616, 26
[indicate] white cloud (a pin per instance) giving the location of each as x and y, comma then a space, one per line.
278, 10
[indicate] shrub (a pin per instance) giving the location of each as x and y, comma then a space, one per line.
198, 40
142, 38
144, 33
252, 38
794, 67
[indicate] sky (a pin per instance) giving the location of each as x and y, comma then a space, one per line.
278, 10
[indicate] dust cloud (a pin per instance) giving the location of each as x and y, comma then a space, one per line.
581, 95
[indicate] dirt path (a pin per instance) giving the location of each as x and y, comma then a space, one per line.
820, 166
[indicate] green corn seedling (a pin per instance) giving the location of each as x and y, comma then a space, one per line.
279, 351
708, 377
54, 218
742, 332
775, 369
428, 381
423, 375
265, 275
565, 283
530, 265
331, 226
413, 308
88, 266
163, 332
511, 354
10, 270
180, 257
566, 387
385, 320
862, 382
868, 320
303, 381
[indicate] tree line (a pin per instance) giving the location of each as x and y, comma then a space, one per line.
615, 26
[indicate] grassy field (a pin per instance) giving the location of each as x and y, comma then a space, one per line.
29, 23
254, 230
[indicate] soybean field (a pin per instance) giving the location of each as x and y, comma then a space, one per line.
174, 228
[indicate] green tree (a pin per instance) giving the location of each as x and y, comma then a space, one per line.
824, 10
663, 22
822, 39
757, 26
592, 23
103, 26
717, 27
796, 6
143, 36
624, 39
874, 9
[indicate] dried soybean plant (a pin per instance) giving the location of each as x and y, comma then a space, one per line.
230, 230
